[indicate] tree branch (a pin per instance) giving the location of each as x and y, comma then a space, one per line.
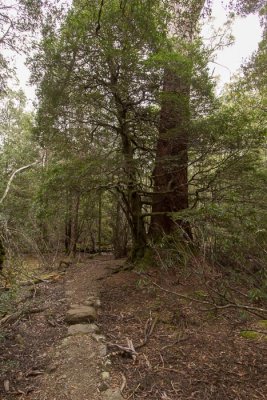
17, 171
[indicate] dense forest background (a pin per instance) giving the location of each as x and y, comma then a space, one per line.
130, 148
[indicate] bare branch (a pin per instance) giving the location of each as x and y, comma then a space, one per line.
17, 171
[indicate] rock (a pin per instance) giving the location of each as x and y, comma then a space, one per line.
51, 368
80, 315
65, 342
112, 394
105, 375
103, 387
93, 301
103, 350
19, 339
97, 303
89, 302
80, 329
98, 338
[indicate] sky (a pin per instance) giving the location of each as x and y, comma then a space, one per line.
247, 33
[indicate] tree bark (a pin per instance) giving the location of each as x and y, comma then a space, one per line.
170, 174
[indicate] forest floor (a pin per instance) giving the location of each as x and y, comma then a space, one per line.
156, 344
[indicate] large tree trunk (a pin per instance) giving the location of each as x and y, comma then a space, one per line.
171, 165
170, 172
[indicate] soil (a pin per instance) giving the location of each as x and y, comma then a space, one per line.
159, 345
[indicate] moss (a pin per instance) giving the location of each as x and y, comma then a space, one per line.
147, 260
262, 323
253, 335
200, 294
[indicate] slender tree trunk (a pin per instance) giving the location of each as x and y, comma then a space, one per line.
72, 223
92, 236
2, 255
68, 224
132, 199
120, 233
75, 224
99, 222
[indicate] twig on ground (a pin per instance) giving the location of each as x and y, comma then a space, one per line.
149, 328
174, 343
133, 393
124, 382
129, 350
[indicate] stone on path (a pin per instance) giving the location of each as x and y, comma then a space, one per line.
93, 301
80, 315
112, 394
78, 329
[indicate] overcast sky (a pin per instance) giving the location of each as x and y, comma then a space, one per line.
247, 33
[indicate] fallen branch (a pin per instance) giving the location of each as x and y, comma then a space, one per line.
215, 306
10, 317
251, 309
13, 317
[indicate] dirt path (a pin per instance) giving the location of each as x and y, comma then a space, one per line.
39, 360
155, 346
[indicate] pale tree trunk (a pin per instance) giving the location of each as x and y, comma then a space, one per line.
171, 165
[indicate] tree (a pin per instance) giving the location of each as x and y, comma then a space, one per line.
115, 97
171, 165
127, 85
